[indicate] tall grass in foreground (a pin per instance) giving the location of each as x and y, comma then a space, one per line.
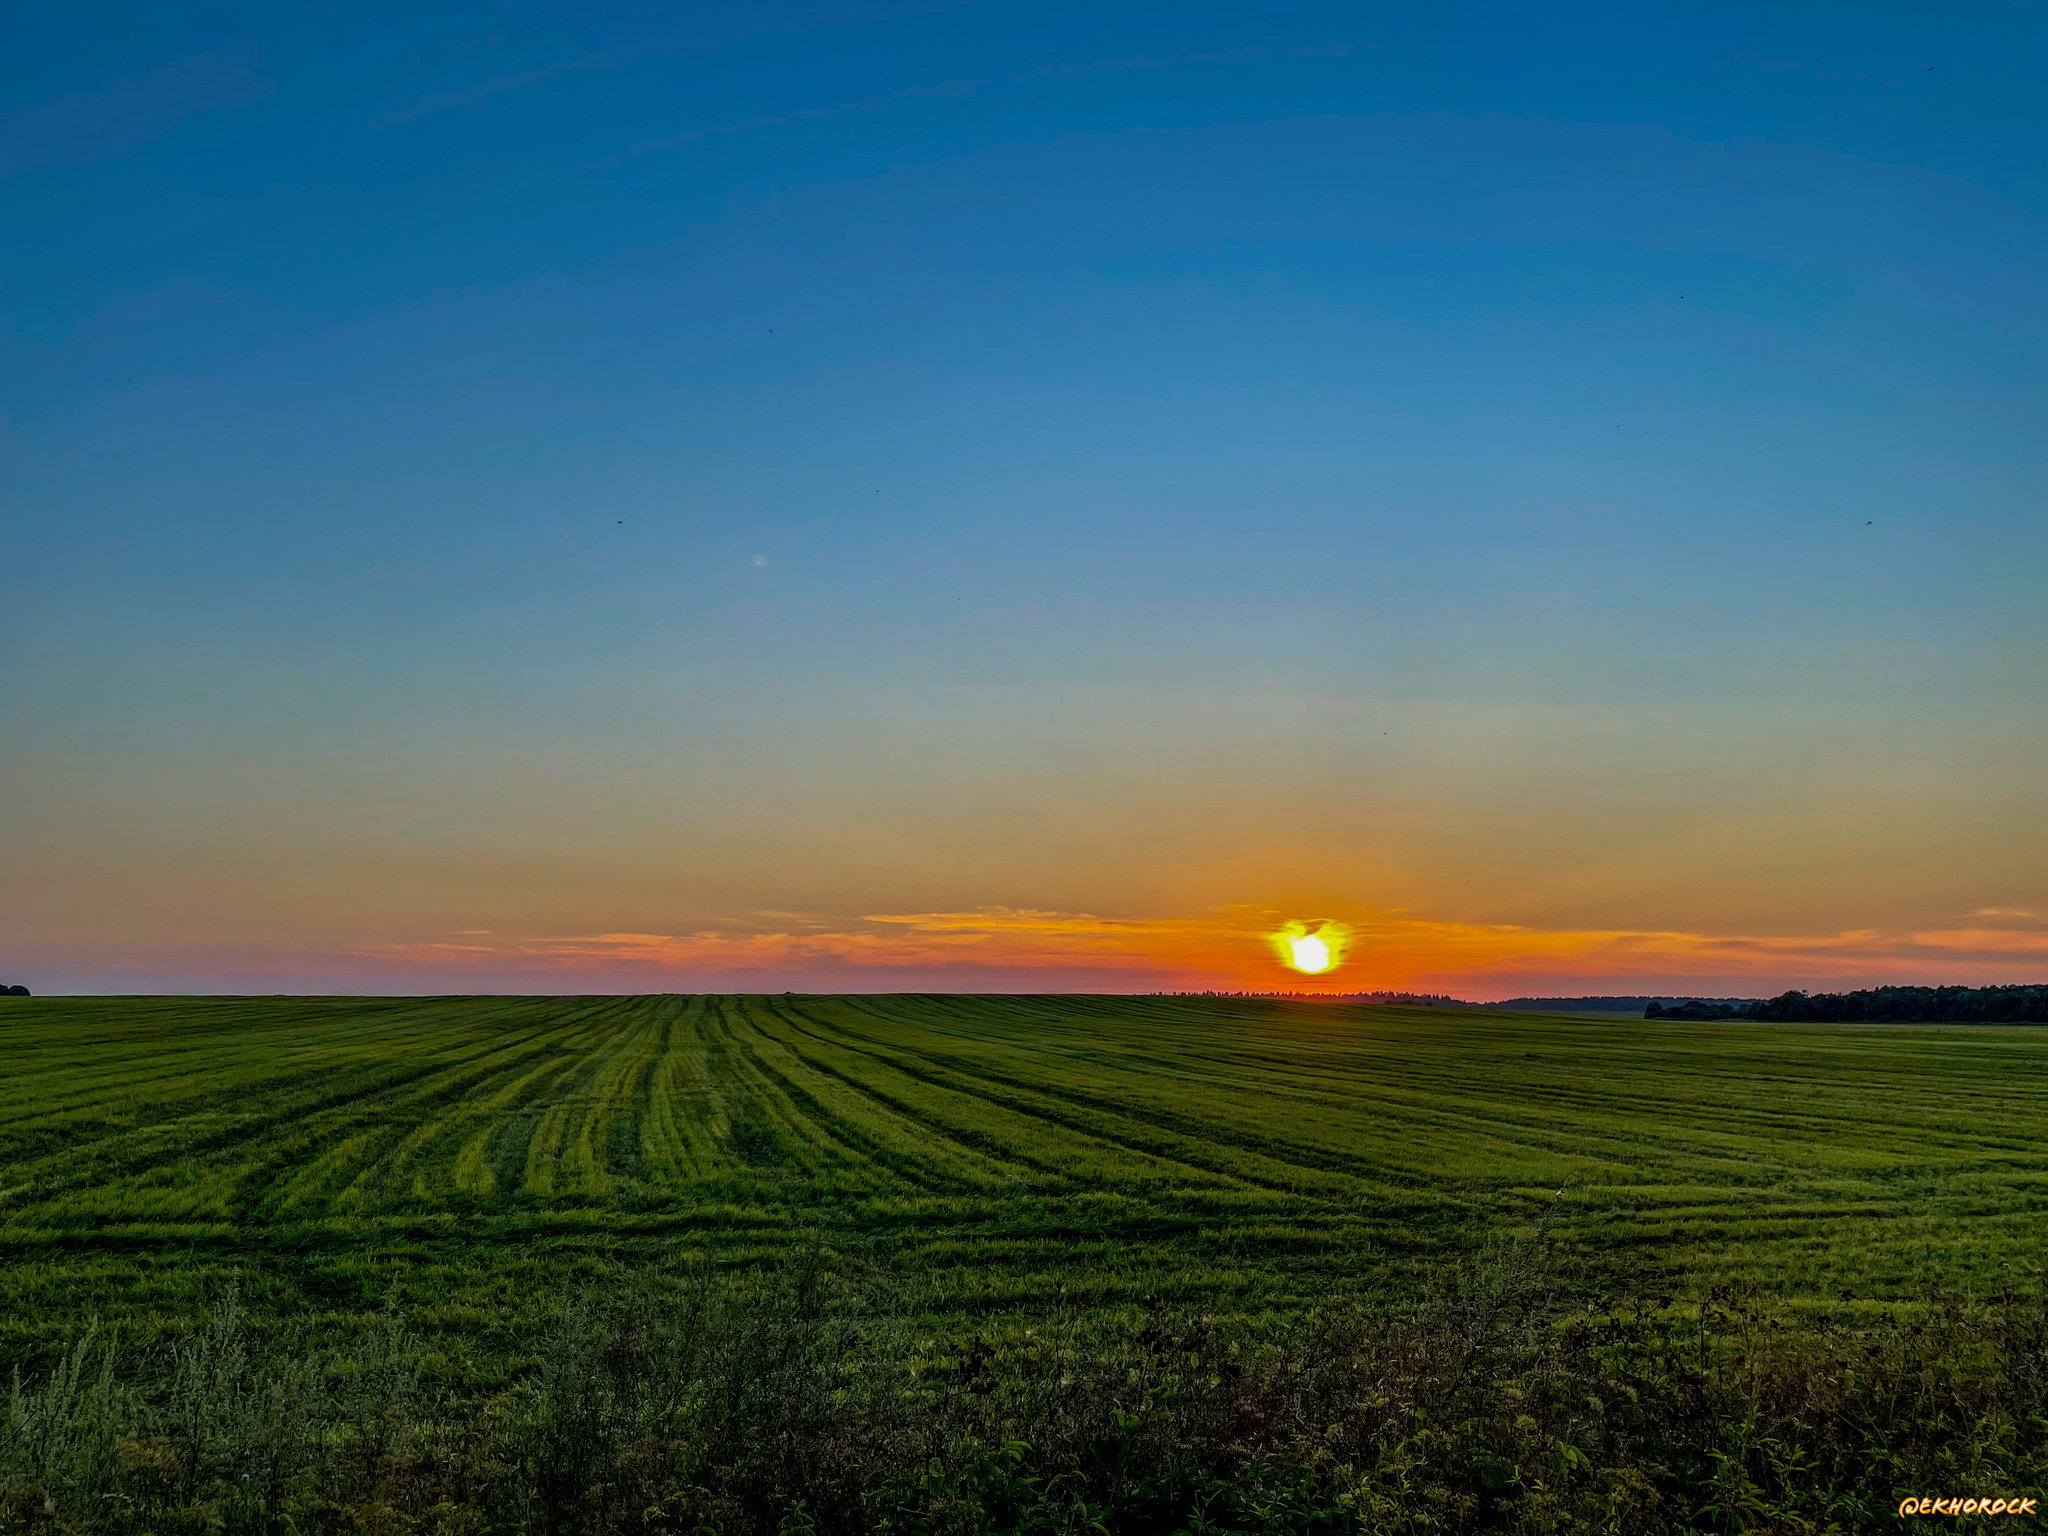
798, 1401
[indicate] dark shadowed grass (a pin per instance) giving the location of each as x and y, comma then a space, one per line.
1495, 1397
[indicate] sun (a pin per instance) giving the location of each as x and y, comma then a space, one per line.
1309, 954
1313, 946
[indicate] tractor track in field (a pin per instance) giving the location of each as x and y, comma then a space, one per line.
983, 1143
1011, 1094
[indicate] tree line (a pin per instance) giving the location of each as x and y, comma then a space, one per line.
1919, 1005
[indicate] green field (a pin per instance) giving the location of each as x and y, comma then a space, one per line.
475, 1156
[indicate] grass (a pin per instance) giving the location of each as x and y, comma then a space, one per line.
947, 1264
477, 1157
796, 1399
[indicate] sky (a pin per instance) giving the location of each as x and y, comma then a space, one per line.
1035, 496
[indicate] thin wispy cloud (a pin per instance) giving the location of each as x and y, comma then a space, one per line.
495, 85
970, 86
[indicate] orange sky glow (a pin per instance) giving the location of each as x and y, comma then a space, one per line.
1231, 949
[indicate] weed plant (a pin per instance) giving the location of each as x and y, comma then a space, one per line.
1498, 1396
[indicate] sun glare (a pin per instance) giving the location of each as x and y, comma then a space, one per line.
1309, 954
1311, 947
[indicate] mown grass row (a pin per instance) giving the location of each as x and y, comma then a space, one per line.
475, 1154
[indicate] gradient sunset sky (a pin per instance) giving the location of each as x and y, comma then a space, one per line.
1023, 496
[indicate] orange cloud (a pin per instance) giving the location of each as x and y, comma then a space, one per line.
1230, 949
2002, 941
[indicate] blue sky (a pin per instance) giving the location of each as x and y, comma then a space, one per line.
550, 473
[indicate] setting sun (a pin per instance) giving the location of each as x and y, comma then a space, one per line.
1309, 954
1313, 947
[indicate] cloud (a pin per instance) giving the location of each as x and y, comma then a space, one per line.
2003, 941
872, 103
496, 85
87, 127
1229, 949
963, 87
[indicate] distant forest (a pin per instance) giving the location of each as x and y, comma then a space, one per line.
1920, 1005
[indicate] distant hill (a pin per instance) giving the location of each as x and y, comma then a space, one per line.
1404, 999
6, 991
1605, 1004
1669, 1006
